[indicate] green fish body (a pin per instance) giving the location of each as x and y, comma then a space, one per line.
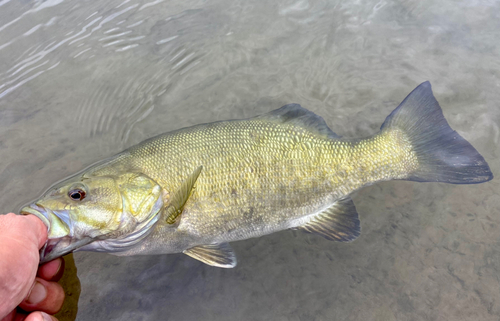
198, 188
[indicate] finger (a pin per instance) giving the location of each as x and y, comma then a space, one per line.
40, 316
37, 228
10, 316
20, 239
44, 296
51, 271
35, 316
15, 315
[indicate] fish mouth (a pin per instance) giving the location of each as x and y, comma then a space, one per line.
58, 225
39, 212
58, 247
59, 239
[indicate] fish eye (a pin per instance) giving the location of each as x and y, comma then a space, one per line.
77, 194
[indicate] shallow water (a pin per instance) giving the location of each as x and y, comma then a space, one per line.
82, 80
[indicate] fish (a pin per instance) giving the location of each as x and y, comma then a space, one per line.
196, 189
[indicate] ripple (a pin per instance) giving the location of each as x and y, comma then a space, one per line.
97, 38
150, 4
116, 111
12, 85
101, 31
106, 104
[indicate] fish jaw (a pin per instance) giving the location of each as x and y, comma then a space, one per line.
59, 231
57, 225
58, 247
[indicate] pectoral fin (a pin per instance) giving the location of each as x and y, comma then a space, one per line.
340, 222
219, 255
180, 197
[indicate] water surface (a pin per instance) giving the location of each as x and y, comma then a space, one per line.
82, 80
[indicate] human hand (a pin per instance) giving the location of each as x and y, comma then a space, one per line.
22, 282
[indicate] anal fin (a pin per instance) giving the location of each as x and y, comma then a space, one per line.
340, 222
219, 255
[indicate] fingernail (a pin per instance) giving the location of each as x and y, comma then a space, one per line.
46, 317
38, 294
60, 260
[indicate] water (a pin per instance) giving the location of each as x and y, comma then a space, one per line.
82, 80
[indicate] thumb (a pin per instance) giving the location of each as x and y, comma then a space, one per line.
38, 230
25, 229
20, 238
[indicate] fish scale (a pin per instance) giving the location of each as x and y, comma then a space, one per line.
196, 189
292, 172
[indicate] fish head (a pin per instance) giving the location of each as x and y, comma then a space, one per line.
110, 213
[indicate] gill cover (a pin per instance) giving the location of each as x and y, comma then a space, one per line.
142, 200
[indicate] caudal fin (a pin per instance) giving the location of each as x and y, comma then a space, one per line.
443, 155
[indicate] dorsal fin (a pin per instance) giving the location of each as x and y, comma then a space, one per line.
301, 117
339, 222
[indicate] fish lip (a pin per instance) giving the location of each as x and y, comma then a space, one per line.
42, 214
54, 247
38, 211
52, 219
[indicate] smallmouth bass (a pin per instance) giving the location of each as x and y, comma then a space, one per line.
196, 189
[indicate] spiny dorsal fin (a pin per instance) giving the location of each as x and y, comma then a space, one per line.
219, 255
181, 196
340, 222
299, 116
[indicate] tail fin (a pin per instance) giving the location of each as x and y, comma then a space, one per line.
443, 155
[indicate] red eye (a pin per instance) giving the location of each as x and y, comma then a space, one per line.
77, 194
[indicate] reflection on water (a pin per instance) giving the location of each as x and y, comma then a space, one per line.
82, 80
